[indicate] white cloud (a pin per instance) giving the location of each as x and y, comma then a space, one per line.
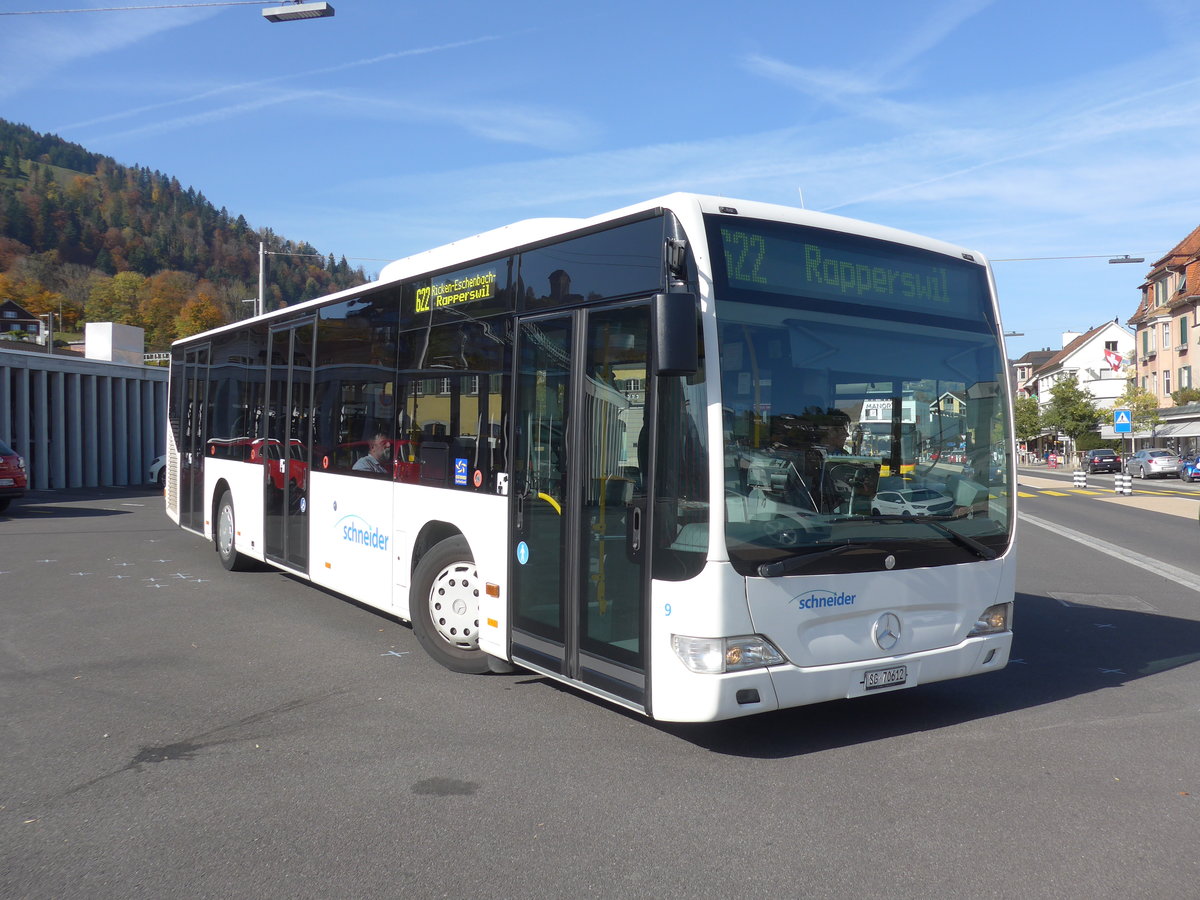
33, 48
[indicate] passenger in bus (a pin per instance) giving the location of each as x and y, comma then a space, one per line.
377, 452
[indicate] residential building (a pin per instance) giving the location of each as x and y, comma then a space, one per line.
1166, 322
1097, 360
14, 317
1022, 371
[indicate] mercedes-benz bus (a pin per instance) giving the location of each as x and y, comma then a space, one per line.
620, 452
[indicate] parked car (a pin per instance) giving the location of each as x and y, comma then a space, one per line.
1189, 468
157, 473
912, 502
1101, 461
1154, 462
12, 476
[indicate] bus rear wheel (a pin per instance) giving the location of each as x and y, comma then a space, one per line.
445, 606
225, 537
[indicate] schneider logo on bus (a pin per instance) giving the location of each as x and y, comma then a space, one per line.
365, 535
823, 599
457, 289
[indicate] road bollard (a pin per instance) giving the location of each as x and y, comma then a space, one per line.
1123, 484
1079, 477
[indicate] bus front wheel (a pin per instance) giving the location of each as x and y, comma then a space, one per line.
445, 606
226, 537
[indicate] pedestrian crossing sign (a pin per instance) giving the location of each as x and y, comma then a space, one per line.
1122, 421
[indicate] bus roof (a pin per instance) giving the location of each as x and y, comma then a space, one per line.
688, 206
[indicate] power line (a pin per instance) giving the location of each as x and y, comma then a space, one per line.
1031, 258
46, 12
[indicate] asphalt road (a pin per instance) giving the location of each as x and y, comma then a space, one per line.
173, 730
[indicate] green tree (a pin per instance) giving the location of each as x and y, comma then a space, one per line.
117, 299
1071, 409
1184, 396
1028, 420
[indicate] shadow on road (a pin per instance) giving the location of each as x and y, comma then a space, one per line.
1060, 650
79, 503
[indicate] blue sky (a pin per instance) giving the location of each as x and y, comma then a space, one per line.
1021, 128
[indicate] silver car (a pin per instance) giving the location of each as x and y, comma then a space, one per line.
1153, 463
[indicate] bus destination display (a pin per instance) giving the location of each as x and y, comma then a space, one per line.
805, 262
456, 289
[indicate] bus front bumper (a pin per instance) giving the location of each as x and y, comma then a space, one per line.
728, 696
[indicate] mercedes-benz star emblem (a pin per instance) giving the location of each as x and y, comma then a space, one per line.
887, 631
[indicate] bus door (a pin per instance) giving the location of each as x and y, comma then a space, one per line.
194, 398
579, 552
285, 448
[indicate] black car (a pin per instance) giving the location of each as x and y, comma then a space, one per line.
1101, 461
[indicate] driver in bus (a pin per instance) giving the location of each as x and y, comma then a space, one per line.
828, 431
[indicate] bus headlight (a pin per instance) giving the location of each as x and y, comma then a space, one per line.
712, 656
994, 620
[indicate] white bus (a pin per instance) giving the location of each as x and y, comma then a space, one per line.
619, 452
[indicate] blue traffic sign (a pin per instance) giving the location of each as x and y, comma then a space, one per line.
1122, 421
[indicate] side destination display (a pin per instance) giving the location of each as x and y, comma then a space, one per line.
456, 289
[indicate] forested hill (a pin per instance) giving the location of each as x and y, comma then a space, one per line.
100, 241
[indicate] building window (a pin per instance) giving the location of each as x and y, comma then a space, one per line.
1166, 335
1183, 331
1110, 345
1167, 382
1185, 377
1154, 383
1160, 292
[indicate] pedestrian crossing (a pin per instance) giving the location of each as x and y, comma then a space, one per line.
1028, 492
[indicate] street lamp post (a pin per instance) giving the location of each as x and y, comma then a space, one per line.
261, 301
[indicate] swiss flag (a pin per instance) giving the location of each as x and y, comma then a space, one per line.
1113, 358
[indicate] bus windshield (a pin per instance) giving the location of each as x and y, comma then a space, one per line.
863, 398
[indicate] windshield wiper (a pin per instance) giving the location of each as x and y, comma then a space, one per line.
795, 563
981, 550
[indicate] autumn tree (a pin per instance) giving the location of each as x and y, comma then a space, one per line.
200, 313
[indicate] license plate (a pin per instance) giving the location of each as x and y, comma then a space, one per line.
6, 482
873, 679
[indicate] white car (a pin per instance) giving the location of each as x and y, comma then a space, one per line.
912, 502
157, 473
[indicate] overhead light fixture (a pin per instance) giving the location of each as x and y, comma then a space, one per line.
297, 10
1127, 259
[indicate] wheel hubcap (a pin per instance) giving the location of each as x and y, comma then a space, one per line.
454, 605
225, 531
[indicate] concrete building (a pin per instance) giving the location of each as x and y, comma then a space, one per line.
81, 422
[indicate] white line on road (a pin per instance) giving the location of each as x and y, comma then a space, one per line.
1173, 573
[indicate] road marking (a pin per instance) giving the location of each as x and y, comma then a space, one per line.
1056, 493
1171, 573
